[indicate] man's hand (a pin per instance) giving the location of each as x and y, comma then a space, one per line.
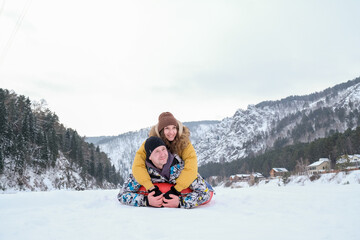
156, 190
171, 191
155, 201
172, 202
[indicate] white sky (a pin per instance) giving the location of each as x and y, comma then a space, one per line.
112, 66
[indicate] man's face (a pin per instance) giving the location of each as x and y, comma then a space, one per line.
159, 156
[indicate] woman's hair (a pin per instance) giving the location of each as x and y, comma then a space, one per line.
179, 143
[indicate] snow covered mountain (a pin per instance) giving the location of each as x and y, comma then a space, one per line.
290, 120
259, 127
121, 149
39, 153
63, 175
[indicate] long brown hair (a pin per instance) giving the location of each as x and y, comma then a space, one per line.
179, 143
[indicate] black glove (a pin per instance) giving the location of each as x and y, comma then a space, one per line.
156, 190
171, 191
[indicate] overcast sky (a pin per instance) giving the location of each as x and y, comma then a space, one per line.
111, 66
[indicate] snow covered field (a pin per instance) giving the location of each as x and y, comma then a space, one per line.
306, 210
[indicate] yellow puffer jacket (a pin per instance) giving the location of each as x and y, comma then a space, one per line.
187, 176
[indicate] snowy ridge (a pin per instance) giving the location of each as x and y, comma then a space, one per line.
228, 140
257, 128
121, 150
62, 176
249, 131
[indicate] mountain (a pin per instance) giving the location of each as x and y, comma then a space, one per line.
260, 127
287, 121
295, 157
121, 149
38, 153
99, 140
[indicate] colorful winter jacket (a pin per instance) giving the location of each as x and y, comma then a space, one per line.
186, 177
201, 192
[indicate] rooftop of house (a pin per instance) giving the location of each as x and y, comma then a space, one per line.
256, 174
280, 169
317, 163
352, 158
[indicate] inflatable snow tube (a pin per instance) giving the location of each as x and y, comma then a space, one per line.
164, 187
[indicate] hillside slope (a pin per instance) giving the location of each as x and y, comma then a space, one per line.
260, 127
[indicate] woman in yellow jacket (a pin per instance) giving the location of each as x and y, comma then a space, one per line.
177, 139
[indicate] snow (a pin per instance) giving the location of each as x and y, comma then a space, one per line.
252, 130
280, 169
325, 209
351, 158
317, 163
63, 175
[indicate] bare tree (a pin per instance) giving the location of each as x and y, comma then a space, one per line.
301, 166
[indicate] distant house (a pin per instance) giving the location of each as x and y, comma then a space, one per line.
319, 166
239, 177
348, 161
245, 177
256, 176
275, 172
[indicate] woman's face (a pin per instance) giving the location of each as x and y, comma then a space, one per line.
170, 132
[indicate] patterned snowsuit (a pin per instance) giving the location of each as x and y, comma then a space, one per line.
201, 189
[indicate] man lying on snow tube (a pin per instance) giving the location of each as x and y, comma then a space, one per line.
164, 168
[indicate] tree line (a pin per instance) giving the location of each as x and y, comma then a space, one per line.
290, 156
31, 136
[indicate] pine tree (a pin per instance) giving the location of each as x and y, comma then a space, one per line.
67, 142
91, 167
44, 154
53, 147
34, 137
100, 173
107, 172
1, 163
3, 113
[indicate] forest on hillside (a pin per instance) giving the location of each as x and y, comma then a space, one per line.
32, 137
292, 157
